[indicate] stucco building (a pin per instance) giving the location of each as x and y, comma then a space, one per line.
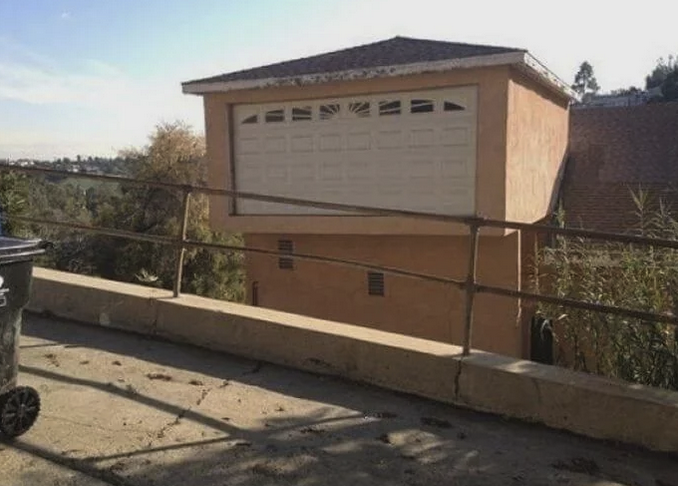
403, 123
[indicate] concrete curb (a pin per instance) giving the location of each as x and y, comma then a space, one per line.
585, 404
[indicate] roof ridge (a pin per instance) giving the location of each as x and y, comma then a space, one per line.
302, 58
469, 44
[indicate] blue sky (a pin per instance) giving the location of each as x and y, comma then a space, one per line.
91, 77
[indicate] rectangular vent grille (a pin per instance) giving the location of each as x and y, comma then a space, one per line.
375, 283
285, 246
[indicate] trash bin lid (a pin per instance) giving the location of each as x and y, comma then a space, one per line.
12, 248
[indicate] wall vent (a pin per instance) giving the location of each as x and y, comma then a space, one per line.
375, 283
285, 246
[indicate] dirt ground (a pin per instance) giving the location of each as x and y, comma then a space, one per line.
126, 410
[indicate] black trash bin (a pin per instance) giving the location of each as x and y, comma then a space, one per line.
19, 406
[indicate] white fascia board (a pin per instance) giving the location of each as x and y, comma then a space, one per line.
367, 73
520, 58
548, 76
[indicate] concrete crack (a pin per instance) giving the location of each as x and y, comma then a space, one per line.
165, 428
156, 317
457, 378
203, 395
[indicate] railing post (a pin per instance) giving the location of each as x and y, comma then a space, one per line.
178, 274
470, 287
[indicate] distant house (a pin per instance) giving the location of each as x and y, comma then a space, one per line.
619, 100
614, 151
430, 126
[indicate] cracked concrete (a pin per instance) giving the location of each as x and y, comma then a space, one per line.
212, 419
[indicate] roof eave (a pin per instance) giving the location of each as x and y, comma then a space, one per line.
548, 77
522, 58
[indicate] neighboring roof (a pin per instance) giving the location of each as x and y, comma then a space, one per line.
614, 151
391, 57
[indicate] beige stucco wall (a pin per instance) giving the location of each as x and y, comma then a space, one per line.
522, 137
537, 133
491, 152
418, 308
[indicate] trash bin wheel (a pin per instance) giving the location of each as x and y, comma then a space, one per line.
19, 409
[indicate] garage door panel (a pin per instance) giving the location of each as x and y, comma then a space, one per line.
301, 144
389, 139
275, 145
423, 137
455, 136
359, 141
276, 174
454, 168
248, 145
360, 170
302, 172
425, 169
331, 170
330, 142
252, 175
419, 157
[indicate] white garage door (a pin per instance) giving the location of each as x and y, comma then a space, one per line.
413, 151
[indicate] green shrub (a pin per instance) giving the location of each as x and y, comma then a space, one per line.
624, 275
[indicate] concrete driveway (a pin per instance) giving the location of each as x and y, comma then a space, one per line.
126, 410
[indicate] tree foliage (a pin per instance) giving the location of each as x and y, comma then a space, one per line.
665, 77
13, 201
175, 155
633, 277
585, 82
631, 90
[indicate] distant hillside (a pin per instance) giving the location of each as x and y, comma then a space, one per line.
118, 166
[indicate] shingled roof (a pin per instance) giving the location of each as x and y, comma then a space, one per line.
390, 52
614, 151
391, 57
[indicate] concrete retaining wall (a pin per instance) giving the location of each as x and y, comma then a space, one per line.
585, 404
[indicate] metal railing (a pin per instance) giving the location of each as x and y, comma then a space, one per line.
470, 285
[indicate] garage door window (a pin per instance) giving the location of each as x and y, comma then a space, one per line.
275, 116
421, 106
327, 112
450, 106
251, 120
389, 108
360, 109
302, 113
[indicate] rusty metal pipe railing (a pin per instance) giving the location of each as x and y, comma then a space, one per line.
470, 288
364, 210
181, 238
647, 317
461, 284
475, 224
187, 243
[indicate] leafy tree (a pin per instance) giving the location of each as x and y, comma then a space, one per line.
585, 83
631, 90
670, 86
664, 76
658, 75
174, 155
61, 201
13, 201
